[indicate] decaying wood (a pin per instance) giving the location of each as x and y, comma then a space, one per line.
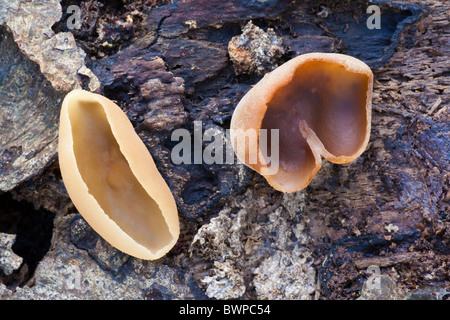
389, 208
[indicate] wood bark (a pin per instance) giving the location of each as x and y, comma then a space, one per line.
390, 207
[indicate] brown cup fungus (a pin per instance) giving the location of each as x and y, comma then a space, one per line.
112, 179
321, 105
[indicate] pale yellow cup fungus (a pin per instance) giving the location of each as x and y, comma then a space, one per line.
112, 179
320, 103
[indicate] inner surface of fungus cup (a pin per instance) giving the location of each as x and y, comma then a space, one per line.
112, 179
321, 104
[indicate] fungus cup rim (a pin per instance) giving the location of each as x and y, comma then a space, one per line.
250, 112
141, 164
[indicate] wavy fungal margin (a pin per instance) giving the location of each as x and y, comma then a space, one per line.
321, 104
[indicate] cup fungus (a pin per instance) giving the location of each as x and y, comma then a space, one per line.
112, 179
321, 105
